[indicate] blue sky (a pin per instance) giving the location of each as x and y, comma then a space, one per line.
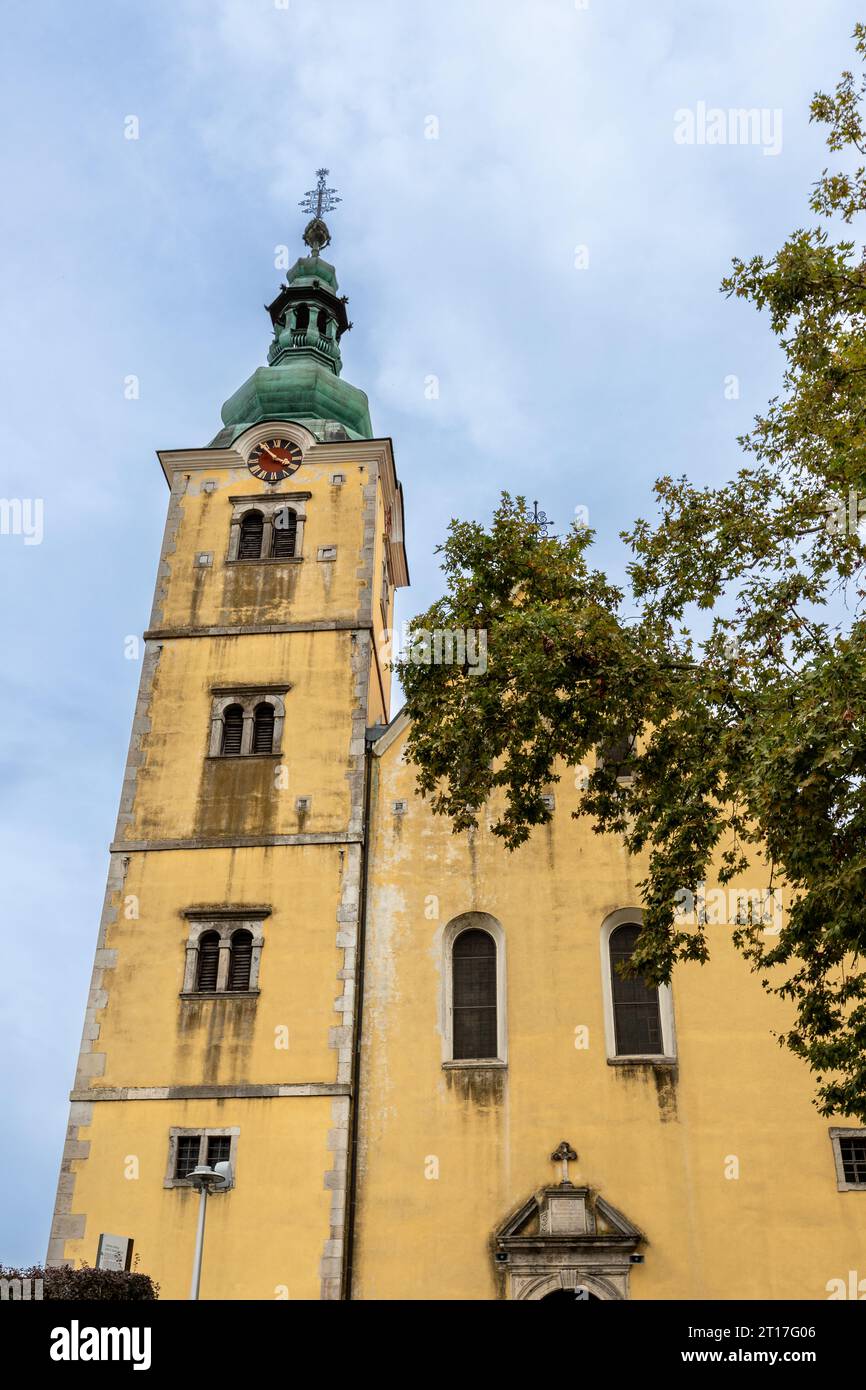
577, 383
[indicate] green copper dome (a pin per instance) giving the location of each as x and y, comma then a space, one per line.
302, 380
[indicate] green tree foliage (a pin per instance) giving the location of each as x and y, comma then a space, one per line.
750, 747
86, 1284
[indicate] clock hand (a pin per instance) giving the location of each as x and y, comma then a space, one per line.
277, 458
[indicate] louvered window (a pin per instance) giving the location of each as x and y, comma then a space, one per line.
252, 530
285, 533
208, 961
473, 992
241, 960
188, 1149
233, 728
636, 1012
852, 1151
219, 1148
263, 728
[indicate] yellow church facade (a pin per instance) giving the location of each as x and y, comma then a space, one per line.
412, 1047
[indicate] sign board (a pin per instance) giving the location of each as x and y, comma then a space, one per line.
114, 1252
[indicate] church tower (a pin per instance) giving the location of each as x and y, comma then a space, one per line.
417, 1052
221, 1021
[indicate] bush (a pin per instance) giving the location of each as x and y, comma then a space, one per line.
87, 1283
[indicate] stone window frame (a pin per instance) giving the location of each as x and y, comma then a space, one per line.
248, 698
838, 1132
180, 1131
469, 921
225, 922
268, 506
623, 917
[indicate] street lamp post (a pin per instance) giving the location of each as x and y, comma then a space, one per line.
207, 1180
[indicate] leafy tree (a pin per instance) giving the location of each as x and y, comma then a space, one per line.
87, 1283
750, 746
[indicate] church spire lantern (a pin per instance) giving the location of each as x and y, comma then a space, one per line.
302, 379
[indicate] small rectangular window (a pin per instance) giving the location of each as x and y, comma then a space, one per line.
188, 1150
218, 1149
851, 1158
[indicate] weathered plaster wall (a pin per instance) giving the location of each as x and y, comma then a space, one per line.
202, 832
266, 1233
654, 1141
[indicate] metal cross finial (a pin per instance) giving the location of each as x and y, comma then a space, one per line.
539, 519
318, 200
565, 1154
321, 198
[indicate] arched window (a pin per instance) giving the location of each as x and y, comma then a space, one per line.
233, 728
322, 322
270, 528
241, 960
285, 533
263, 728
473, 995
252, 530
302, 318
245, 722
636, 1013
223, 952
208, 961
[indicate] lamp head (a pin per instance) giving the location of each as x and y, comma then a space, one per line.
225, 1175
203, 1177
215, 1179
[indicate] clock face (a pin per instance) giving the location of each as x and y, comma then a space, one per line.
274, 459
